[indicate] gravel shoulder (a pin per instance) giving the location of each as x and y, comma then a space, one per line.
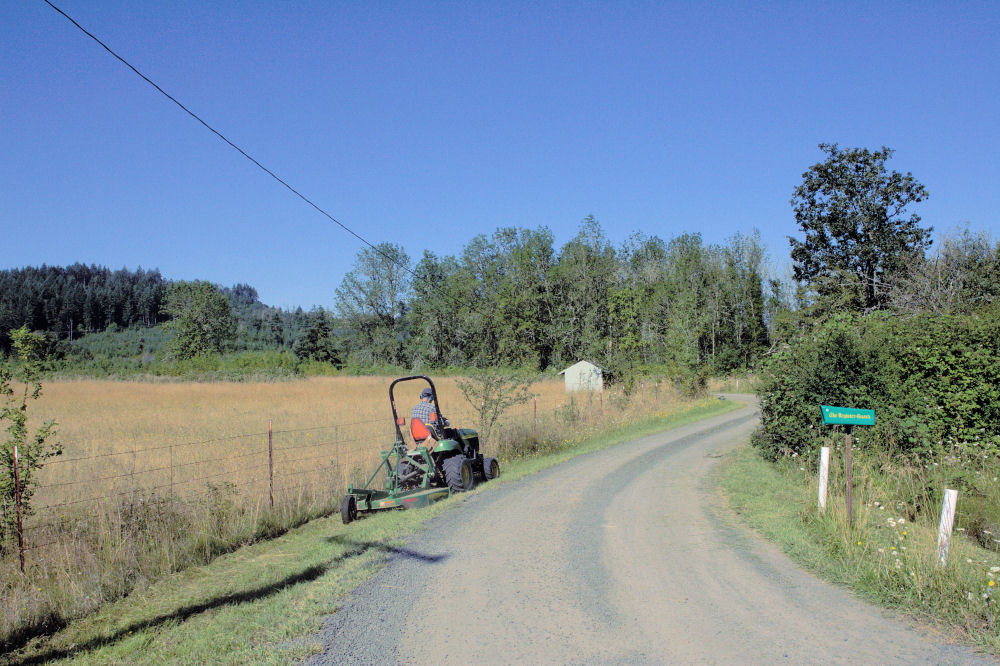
624, 555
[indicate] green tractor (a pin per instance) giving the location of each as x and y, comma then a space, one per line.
416, 477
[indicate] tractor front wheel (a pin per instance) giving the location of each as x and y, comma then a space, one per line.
349, 509
458, 474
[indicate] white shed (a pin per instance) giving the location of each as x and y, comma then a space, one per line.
584, 376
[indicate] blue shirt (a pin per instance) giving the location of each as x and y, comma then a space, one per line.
423, 411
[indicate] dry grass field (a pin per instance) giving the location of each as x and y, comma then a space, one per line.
178, 437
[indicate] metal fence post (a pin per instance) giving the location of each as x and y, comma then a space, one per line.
270, 462
17, 501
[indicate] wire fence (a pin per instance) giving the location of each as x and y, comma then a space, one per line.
268, 464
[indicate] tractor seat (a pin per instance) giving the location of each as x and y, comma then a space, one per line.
419, 430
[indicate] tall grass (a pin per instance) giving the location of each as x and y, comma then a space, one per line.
889, 554
157, 478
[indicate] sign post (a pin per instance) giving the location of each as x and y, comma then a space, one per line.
848, 417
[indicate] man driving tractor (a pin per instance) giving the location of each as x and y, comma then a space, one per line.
421, 416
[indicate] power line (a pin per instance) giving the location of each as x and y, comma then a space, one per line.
392, 261
231, 144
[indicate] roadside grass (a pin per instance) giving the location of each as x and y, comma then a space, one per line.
265, 602
888, 557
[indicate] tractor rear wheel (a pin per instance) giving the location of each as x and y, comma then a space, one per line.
491, 468
458, 474
348, 509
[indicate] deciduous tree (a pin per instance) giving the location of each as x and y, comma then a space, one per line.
202, 319
853, 212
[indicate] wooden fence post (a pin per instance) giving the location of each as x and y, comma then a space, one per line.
824, 475
850, 479
270, 462
947, 522
17, 502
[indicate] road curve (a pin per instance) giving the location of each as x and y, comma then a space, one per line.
626, 556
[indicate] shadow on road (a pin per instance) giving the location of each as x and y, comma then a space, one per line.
395, 550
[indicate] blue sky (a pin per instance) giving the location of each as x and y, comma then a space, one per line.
424, 124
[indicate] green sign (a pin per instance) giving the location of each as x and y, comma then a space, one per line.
847, 416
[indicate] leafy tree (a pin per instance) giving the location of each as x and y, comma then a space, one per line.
584, 274
512, 304
438, 324
371, 300
739, 331
202, 319
33, 448
853, 214
492, 392
625, 342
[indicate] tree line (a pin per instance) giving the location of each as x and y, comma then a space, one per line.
79, 299
512, 298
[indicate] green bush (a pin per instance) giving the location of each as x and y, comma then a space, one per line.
933, 381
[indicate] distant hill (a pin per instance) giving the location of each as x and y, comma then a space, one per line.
72, 302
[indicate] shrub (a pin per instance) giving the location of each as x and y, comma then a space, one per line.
933, 381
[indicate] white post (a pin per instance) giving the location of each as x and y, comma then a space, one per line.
947, 522
824, 475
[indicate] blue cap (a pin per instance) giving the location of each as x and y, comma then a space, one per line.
426, 393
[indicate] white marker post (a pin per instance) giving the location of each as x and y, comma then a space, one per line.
824, 475
947, 522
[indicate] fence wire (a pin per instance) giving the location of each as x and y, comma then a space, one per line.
268, 445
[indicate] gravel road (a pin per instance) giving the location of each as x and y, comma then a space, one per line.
625, 555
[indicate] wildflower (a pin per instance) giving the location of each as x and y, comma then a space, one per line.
969, 597
904, 532
859, 543
900, 521
994, 569
992, 583
881, 550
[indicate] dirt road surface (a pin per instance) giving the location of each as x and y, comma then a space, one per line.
623, 556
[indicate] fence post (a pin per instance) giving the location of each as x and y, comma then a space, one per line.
17, 501
171, 470
270, 462
850, 475
947, 522
824, 475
